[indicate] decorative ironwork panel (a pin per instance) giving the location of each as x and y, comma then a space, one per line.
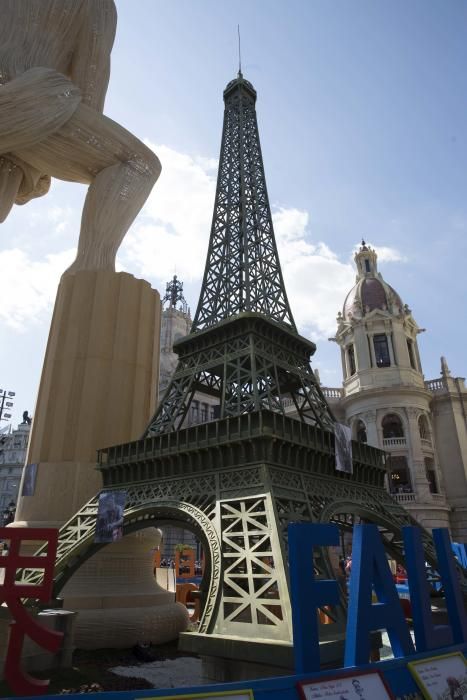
255, 600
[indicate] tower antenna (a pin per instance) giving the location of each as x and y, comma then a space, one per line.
239, 51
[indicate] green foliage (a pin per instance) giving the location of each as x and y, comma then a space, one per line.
181, 547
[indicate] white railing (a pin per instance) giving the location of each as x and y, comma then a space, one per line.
438, 497
435, 385
394, 442
332, 392
404, 497
287, 402
426, 443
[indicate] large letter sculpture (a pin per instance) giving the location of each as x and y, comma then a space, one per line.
308, 594
370, 570
11, 593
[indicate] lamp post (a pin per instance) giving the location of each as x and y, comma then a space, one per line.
6, 403
9, 513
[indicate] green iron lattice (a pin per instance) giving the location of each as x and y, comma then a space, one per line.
243, 349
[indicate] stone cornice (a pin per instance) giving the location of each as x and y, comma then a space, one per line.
387, 391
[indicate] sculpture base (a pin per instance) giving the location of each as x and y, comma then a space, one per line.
229, 658
118, 600
98, 388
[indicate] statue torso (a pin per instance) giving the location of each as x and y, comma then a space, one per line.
37, 33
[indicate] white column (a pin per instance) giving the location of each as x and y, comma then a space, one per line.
344, 367
372, 349
369, 418
419, 479
391, 352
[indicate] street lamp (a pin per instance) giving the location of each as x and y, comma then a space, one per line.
6, 403
9, 513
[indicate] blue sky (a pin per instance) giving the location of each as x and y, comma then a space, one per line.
362, 110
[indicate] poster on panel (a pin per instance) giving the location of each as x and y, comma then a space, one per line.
441, 677
343, 448
29, 481
109, 522
358, 686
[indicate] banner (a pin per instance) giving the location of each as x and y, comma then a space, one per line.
109, 523
29, 481
343, 448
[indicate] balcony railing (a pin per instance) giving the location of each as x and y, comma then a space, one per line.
404, 497
438, 497
395, 442
435, 385
332, 392
426, 442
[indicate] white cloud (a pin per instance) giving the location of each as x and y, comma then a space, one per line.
174, 228
385, 254
31, 285
61, 218
316, 281
172, 236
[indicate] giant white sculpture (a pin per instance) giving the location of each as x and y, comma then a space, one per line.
54, 72
101, 364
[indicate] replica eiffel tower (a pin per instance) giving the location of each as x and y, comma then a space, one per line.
238, 481
243, 349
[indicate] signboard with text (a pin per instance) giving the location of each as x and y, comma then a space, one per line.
441, 677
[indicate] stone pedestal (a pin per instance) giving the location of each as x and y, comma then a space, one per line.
98, 388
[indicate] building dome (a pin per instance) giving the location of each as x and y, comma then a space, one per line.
370, 290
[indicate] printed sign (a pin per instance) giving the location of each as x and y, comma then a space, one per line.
359, 686
230, 694
29, 480
109, 523
441, 677
343, 448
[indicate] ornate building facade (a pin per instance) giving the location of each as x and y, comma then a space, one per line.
421, 425
13, 448
176, 323
385, 399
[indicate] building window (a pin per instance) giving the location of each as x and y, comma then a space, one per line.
195, 411
411, 354
380, 344
351, 356
367, 265
431, 475
360, 432
392, 426
399, 481
204, 412
423, 428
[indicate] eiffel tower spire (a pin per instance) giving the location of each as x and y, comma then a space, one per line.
243, 348
242, 267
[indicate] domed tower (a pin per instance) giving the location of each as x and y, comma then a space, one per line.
175, 324
384, 399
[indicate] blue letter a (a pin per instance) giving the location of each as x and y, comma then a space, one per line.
370, 570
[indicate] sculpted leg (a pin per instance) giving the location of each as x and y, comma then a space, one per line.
10, 181
91, 148
112, 203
